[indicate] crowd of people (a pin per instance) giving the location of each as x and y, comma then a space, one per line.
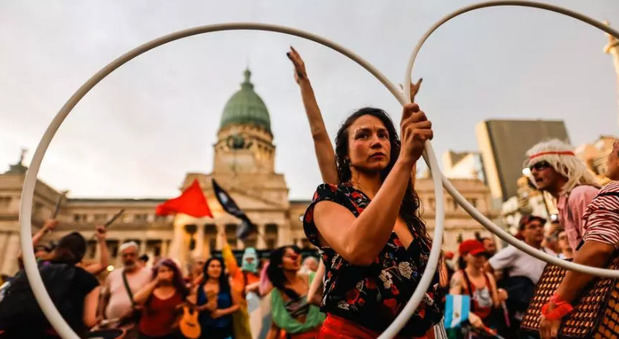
587, 231
138, 301
364, 219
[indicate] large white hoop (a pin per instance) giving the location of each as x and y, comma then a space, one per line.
454, 192
32, 272
410, 307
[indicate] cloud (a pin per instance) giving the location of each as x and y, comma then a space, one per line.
141, 129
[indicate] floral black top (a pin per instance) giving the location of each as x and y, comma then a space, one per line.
374, 295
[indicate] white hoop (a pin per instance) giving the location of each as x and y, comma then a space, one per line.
410, 307
32, 272
454, 192
63, 329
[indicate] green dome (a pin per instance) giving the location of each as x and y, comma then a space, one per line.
246, 108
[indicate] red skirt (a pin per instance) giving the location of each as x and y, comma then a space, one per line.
311, 334
335, 327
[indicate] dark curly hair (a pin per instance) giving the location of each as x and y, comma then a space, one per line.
409, 209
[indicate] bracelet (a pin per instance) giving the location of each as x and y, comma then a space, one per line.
561, 309
556, 299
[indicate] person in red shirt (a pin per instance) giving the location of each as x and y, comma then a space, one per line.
474, 281
161, 299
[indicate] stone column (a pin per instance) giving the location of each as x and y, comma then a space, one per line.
9, 265
98, 250
177, 240
142, 249
283, 234
3, 240
164, 247
199, 250
260, 243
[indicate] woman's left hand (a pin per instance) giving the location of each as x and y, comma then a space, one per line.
299, 66
415, 130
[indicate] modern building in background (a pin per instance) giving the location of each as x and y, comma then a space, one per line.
503, 144
463, 165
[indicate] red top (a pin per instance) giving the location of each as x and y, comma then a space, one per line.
481, 298
159, 315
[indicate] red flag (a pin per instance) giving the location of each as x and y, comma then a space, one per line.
191, 202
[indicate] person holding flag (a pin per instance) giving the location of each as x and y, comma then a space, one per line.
240, 279
244, 279
473, 281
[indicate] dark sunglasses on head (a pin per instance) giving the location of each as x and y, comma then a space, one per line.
540, 165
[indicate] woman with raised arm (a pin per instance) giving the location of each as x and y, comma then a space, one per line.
322, 143
323, 146
74, 291
375, 256
161, 300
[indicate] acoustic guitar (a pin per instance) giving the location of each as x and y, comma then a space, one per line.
189, 325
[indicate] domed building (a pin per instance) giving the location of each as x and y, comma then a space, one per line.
243, 164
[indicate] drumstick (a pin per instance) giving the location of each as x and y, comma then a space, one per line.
113, 218
62, 195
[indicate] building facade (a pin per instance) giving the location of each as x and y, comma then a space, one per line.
244, 165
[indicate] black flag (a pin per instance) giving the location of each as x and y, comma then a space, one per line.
247, 227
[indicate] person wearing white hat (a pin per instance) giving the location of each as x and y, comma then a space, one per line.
122, 284
556, 170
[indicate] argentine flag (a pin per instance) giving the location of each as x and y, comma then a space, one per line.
456, 309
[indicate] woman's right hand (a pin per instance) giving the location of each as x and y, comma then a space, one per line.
299, 66
415, 129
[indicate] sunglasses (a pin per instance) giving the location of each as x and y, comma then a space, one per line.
539, 165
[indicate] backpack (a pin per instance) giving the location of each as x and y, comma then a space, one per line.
19, 308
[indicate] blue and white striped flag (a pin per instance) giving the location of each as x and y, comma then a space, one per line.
456, 309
